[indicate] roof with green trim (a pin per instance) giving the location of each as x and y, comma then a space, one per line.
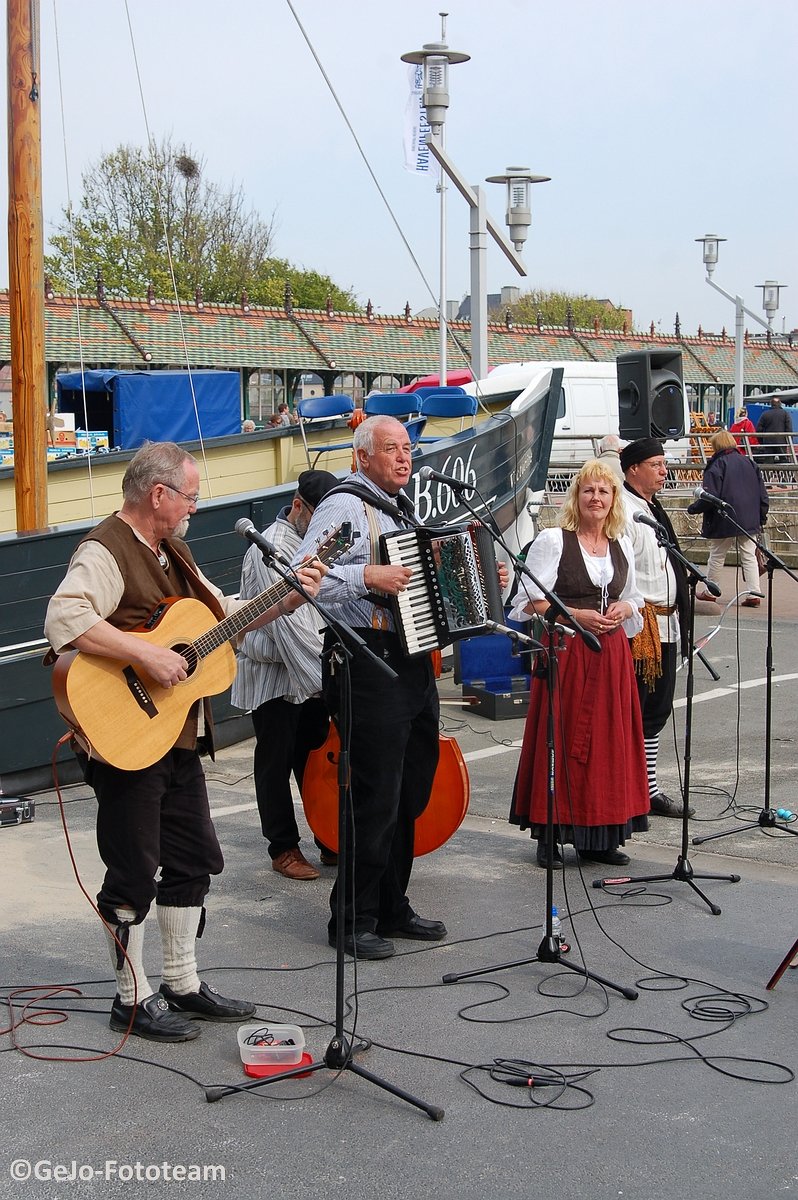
132, 333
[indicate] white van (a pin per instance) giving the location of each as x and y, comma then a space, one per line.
588, 404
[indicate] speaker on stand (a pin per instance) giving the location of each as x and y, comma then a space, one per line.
650, 395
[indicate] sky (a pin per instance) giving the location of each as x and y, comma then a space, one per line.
657, 120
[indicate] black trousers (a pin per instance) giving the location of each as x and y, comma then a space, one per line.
656, 703
285, 735
158, 817
394, 754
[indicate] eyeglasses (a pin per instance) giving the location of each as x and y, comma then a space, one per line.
189, 499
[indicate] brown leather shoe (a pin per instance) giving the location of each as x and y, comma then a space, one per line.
751, 602
293, 864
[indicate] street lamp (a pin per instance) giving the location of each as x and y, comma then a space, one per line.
519, 212
711, 242
436, 57
770, 298
770, 303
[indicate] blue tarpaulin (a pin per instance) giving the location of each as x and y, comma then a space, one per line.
136, 406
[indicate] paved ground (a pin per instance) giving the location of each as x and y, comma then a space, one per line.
689, 1097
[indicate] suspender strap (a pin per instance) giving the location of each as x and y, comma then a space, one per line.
401, 511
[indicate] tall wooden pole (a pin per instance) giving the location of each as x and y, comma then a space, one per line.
25, 267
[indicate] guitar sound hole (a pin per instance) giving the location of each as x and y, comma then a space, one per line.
189, 654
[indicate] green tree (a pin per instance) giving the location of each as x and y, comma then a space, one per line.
309, 289
553, 308
147, 214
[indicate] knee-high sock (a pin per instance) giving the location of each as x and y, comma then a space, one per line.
178, 928
652, 749
132, 983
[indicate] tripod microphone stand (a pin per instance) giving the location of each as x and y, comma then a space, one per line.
549, 948
683, 871
340, 1051
768, 817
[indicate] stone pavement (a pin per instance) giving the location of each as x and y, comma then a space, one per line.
689, 1097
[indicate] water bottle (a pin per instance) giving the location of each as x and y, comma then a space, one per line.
557, 931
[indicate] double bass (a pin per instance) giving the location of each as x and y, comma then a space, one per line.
443, 816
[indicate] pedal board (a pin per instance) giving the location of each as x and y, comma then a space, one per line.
16, 810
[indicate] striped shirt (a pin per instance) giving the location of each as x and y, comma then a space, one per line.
284, 657
343, 590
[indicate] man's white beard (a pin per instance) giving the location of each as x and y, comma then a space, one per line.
181, 530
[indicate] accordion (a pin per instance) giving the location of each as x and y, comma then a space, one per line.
454, 591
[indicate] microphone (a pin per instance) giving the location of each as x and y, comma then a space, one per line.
716, 502
247, 530
642, 519
515, 635
456, 485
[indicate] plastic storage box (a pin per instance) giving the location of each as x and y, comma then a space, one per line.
267, 1045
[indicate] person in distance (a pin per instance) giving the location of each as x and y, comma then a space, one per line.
738, 481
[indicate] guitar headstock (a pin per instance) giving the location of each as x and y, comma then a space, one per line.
334, 546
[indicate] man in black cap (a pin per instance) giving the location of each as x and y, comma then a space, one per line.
662, 580
279, 681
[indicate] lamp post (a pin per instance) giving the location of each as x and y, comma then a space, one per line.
436, 58
482, 224
770, 303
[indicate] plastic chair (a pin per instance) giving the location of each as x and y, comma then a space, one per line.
391, 404
323, 408
415, 428
446, 402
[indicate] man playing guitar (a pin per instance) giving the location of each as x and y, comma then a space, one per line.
157, 816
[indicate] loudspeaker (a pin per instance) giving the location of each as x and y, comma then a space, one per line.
650, 394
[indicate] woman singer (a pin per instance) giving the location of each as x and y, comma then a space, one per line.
601, 788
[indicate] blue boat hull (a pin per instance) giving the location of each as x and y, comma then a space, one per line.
503, 456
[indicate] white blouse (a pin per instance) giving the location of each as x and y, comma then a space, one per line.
543, 561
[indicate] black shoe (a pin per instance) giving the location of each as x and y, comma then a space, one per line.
613, 858
207, 1004
365, 945
419, 929
663, 806
540, 856
152, 1021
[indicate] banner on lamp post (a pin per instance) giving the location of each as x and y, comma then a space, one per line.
417, 156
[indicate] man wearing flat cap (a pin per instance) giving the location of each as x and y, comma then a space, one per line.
661, 579
279, 681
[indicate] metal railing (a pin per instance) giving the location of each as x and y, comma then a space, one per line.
781, 481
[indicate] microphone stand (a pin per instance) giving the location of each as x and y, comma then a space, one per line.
683, 871
339, 1053
549, 949
768, 817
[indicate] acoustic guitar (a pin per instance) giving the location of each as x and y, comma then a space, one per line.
121, 716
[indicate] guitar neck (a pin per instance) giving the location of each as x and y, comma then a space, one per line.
334, 545
233, 625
